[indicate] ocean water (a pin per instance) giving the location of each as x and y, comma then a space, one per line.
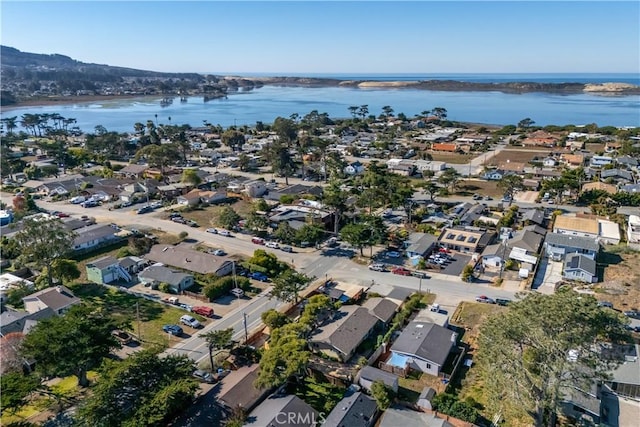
267, 103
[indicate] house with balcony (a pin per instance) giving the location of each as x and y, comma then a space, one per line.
557, 246
106, 270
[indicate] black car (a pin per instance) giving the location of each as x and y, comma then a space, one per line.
503, 301
634, 314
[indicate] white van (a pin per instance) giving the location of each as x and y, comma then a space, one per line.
237, 292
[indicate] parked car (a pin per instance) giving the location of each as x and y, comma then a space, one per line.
393, 254
272, 245
259, 276
401, 271
485, 299
144, 210
286, 249
218, 252
204, 376
503, 301
258, 241
122, 336
212, 230
419, 274
224, 233
192, 223
237, 292
179, 220
173, 330
377, 267
634, 314
605, 304
190, 321
203, 311
125, 204
477, 197
175, 215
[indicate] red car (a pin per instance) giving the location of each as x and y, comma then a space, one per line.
401, 271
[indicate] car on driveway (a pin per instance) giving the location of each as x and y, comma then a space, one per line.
204, 376
401, 271
256, 275
485, 299
377, 267
173, 330
393, 254
203, 311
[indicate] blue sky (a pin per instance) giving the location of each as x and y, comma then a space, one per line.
333, 37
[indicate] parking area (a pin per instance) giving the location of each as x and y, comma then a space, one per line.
455, 267
549, 273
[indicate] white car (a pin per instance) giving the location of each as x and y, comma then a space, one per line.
190, 321
225, 233
212, 231
272, 245
219, 252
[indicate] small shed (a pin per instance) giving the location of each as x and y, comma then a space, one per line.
425, 398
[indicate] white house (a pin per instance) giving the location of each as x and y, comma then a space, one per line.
633, 230
494, 175
599, 161
9, 281
549, 162
255, 188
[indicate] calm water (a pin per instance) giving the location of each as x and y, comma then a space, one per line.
269, 102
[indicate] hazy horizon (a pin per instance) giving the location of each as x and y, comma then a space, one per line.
314, 37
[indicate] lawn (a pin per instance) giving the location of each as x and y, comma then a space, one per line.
485, 188
153, 315
415, 382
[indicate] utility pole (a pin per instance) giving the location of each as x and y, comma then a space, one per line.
420, 286
138, 316
246, 332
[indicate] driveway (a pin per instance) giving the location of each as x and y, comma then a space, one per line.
455, 267
549, 273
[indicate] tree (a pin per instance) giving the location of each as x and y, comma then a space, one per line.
541, 347
431, 189
288, 285
159, 156
274, 319
356, 235
440, 113
191, 176
363, 111
309, 233
334, 196
287, 356
233, 138
218, 340
382, 394
510, 184
228, 218
525, 123
71, 344
285, 232
143, 389
65, 269
256, 223
449, 404
16, 389
450, 178
42, 241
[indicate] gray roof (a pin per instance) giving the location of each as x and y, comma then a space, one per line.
16, 321
369, 373
266, 414
628, 372
382, 308
238, 389
187, 259
355, 410
557, 239
55, 298
536, 229
526, 240
347, 332
425, 340
163, 274
93, 232
533, 215
405, 417
616, 173
580, 262
103, 262
421, 242
129, 261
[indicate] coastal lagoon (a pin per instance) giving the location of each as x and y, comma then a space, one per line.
268, 102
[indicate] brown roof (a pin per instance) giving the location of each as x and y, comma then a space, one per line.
585, 225
444, 147
135, 169
609, 188
511, 166
573, 159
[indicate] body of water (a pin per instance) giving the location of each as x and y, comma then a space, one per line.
267, 103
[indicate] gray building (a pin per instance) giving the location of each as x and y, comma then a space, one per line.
354, 410
557, 246
580, 267
281, 411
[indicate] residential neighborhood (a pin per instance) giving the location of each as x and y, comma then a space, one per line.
369, 266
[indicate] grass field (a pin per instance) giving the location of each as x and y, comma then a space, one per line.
205, 217
516, 155
153, 315
484, 188
455, 158
621, 285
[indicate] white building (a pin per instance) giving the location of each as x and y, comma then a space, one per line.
633, 229
9, 281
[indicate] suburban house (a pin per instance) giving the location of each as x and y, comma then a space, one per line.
299, 214
382, 308
620, 176
630, 188
430, 165
599, 161
93, 236
339, 339
601, 186
466, 240
607, 232
255, 188
533, 216
524, 246
420, 244
106, 270
58, 299
446, 147
279, 410
190, 260
422, 346
580, 267
295, 190
9, 281
156, 274
354, 410
132, 171
573, 160
405, 417
238, 390
557, 246
354, 168
633, 229
368, 375
493, 175
192, 198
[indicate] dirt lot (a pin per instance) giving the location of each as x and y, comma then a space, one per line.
621, 284
205, 216
454, 158
485, 188
517, 155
